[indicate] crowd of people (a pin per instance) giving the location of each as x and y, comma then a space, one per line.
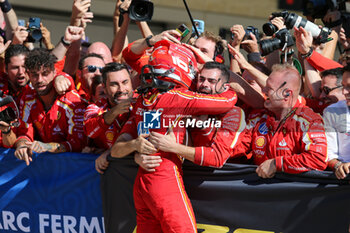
163, 101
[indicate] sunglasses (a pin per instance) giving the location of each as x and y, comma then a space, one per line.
92, 69
327, 90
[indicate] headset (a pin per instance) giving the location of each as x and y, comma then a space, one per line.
285, 92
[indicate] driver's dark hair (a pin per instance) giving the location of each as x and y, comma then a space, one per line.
112, 67
39, 57
225, 73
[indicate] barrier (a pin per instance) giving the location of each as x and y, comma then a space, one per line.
61, 193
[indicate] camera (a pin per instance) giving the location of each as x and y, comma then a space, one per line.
293, 20
8, 115
251, 29
282, 40
34, 30
183, 30
141, 10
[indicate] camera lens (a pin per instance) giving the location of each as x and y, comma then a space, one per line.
140, 9
269, 45
8, 115
36, 34
269, 29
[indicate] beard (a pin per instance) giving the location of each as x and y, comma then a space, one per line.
205, 90
116, 98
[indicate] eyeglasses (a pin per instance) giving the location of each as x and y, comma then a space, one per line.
92, 69
327, 90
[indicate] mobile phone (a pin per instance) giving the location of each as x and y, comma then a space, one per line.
199, 25
21, 22
183, 30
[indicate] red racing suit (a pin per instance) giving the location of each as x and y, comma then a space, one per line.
322, 63
214, 145
161, 202
63, 123
297, 143
95, 126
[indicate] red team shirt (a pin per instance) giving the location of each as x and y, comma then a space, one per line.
298, 145
213, 146
63, 123
95, 126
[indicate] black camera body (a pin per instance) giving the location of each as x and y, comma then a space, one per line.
282, 40
270, 29
141, 10
8, 115
34, 31
251, 29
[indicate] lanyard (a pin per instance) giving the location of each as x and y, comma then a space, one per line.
284, 120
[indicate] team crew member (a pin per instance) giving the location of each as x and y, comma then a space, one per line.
89, 66
104, 120
160, 200
16, 80
57, 120
213, 144
287, 137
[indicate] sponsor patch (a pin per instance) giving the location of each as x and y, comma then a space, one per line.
263, 129
109, 136
260, 142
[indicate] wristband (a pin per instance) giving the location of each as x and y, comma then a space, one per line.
5, 6
122, 11
308, 54
7, 132
64, 42
147, 40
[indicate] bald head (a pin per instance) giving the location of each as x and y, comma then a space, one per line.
282, 90
101, 49
289, 75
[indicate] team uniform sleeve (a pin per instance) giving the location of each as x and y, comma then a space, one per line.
314, 155
202, 104
25, 130
322, 63
94, 123
136, 61
130, 127
76, 139
226, 138
332, 136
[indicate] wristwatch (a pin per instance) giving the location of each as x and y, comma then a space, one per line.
7, 131
64, 42
122, 11
308, 54
147, 40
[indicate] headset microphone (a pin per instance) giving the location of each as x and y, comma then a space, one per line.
285, 95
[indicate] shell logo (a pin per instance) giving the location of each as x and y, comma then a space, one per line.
260, 142
109, 136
